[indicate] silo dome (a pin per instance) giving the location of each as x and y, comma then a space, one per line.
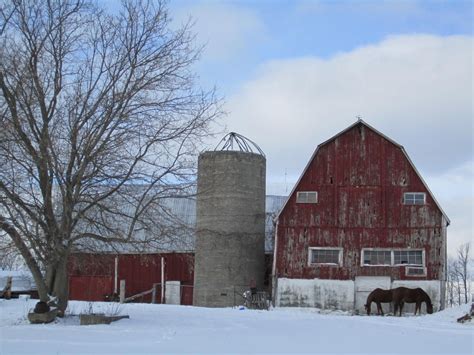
230, 225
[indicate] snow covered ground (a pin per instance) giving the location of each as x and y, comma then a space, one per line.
180, 329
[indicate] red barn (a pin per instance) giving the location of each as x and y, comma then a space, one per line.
360, 217
96, 277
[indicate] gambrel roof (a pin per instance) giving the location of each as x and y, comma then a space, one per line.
361, 122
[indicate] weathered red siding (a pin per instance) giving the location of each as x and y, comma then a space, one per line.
91, 276
360, 177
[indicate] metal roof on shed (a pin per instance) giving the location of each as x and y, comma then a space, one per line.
177, 222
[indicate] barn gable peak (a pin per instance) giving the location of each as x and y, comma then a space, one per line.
359, 122
365, 124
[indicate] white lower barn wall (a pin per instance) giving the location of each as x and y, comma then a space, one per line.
325, 294
340, 294
431, 287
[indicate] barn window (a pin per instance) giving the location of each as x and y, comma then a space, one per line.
392, 257
414, 198
377, 257
331, 256
306, 197
410, 257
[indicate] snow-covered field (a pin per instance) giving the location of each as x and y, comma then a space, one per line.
181, 329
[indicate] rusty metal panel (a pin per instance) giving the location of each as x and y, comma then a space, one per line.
140, 272
90, 288
90, 276
179, 267
360, 177
187, 295
83, 264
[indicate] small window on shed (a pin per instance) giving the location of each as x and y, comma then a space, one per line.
414, 198
307, 197
331, 256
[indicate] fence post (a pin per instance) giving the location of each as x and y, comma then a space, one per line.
153, 294
122, 291
163, 283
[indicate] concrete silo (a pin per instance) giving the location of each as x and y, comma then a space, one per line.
230, 226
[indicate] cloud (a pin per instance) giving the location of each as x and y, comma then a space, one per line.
224, 28
417, 89
454, 191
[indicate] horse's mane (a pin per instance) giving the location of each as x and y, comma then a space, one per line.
425, 295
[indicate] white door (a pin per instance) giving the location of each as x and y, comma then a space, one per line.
365, 285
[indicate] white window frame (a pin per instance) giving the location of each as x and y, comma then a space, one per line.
414, 193
407, 273
300, 194
392, 262
340, 250
375, 249
407, 249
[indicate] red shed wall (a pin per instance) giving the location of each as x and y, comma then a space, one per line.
91, 276
360, 177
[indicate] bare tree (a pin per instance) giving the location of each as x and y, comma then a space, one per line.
10, 259
463, 260
100, 118
459, 278
453, 286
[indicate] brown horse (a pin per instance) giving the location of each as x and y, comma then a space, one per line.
402, 295
378, 296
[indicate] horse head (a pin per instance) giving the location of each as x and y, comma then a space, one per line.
429, 307
427, 299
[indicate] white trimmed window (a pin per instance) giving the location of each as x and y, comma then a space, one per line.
393, 257
307, 197
377, 257
328, 256
414, 198
408, 257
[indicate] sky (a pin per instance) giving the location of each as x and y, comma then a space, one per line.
295, 73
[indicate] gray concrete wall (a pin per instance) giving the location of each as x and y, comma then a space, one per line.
230, 230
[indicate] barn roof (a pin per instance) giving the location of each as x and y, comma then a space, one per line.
177, 226
362, 122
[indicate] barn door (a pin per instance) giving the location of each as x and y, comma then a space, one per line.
365, 285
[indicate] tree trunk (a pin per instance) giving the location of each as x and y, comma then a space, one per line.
58, 283
61, 285
28, 257
466, 291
